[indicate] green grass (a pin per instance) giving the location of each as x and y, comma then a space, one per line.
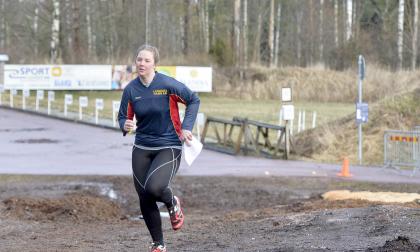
260, 110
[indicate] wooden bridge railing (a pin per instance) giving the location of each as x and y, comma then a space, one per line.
248, 136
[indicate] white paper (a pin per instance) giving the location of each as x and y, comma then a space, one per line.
192, 151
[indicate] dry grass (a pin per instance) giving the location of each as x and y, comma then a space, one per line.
314, 84
339, 138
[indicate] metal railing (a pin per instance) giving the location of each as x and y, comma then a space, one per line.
402, 149
248, 136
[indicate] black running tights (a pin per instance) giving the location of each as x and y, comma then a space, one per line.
153, 171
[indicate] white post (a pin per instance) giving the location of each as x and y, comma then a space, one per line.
292, 122
68, 99
99, 106
299, 121
39, 96
280, 121
80, 112
23, 100
11, 97
51, 97
303, 120
3, 58
83, 102
314, 119
115, 109
200, 123
25, 93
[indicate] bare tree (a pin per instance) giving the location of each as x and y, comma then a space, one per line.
204, 24
35, 29
147, 33
415, 34
2, 25
185, 22
89, 29
271, 34
299, 16
237, 30
256, 50
349, 20
77, 46
321, 31
277, 38
55, 32
245, 33
68, 15
336, 23
400, 39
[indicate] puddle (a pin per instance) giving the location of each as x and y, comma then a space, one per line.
23, 130
103, 189
37, 141
140, 217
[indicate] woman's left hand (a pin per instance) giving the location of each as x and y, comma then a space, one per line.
186, 136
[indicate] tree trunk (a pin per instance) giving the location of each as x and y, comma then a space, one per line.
245, 33
204, 24
35, 30
299, 17
277, 38
415, 34
69, 30
336, 23
311, 35
256, 52
349, 19
2, 25
95, 29
147, 32
184, 26
237, 31
400, 39
55, 32
321, 31
271, 34
77, 46
89, 29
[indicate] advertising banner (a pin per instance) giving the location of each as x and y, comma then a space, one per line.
198, 79
58, 77
96, 77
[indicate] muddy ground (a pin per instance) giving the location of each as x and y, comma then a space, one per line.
91, 213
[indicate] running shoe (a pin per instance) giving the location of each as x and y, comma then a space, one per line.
156, 247
176, 215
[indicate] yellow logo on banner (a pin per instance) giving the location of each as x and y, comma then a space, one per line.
167, 70
56, 71
193, 73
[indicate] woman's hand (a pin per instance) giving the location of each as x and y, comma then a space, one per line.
186, 136
128, 125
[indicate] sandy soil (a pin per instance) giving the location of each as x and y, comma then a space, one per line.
91, 213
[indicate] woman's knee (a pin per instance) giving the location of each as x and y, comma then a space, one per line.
155, 191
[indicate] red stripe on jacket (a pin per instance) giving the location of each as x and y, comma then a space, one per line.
130, 111
174, 111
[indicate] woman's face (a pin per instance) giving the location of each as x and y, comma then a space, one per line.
145, 63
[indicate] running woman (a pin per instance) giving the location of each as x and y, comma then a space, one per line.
153, 98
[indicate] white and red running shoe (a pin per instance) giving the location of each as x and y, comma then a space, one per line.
176, 215
156, 247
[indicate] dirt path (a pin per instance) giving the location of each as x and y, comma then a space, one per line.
86, 213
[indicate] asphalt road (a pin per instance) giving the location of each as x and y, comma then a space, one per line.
34, 144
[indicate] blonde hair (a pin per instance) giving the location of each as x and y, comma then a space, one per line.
151, 49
